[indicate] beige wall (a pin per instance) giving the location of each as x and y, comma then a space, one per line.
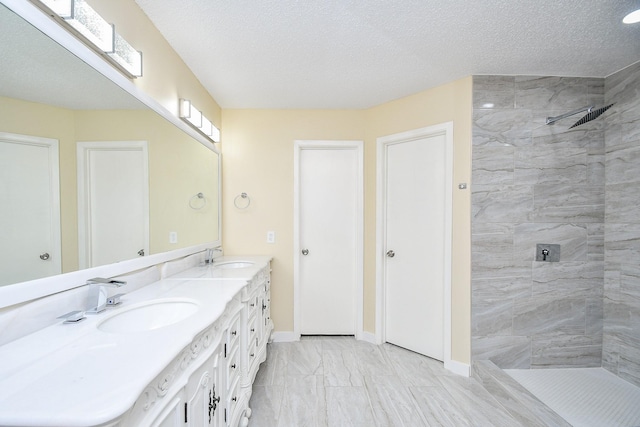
165, 76
258, 159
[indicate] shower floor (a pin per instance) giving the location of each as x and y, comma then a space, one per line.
583, 396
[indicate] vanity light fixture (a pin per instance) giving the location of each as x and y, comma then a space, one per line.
632, 18
83, 20
194, 117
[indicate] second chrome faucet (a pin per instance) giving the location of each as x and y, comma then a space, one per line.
98, 299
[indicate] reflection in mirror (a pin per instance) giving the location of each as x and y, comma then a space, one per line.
51, 103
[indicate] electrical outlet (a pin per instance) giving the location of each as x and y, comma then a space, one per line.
271, 236
173, 237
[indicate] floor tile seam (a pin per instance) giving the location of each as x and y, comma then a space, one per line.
413, 401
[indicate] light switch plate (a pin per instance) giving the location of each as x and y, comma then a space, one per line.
173, 237
271, 236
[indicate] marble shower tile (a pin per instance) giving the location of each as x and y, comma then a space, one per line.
578, 351
507, 352
341, 368
595, 316
348, 406
501, 203
392, 402
622, 242
630, 282
589, 135
568, 279
550, 165
501, 127
596, 167
568, 203
501, 288
496, 90
493, 165
488, 269
549, 93
265, 404
623, 87
549, 315
629, 363
491, 317
571, 237
623, 164
595, 241
610, 353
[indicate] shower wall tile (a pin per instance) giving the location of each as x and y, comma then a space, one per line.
501, 127
550, 165
621, 308
566, 352
535, 183
595, 241
499, 91
568, 203
568, 279
549, 93
507, 352
548, 315
501, 203
493, 165
572, 239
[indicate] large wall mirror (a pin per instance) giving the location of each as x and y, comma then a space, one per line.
50, 98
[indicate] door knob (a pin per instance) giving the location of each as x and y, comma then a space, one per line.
305, 252
141, 252
44, 256
390, 253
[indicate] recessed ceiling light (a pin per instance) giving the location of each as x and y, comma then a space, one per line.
632, 18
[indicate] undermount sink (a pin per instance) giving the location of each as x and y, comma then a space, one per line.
234, 264
148, 316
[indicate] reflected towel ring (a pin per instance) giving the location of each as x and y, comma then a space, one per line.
243, 205
199, 196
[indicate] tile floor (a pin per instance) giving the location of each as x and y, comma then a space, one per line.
338, 381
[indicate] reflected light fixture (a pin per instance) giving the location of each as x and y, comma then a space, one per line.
194, 117
101, 35
632, 18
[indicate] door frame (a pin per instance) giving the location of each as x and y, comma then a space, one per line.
445, 129
358, 146
84, 231
52, 146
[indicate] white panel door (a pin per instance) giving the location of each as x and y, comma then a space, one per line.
29, 208
329, 205
415, 244
113, 202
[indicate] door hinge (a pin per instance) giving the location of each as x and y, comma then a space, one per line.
185, 413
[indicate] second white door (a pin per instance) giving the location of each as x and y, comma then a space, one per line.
113, 202
329, 219
417, 230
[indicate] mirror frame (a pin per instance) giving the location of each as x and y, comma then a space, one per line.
26, 291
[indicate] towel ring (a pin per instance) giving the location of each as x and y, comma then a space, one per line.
198, 196
237, 202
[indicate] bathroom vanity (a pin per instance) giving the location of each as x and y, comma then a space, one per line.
183, 350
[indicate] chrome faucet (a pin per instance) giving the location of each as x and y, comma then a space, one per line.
98, 299
210, 254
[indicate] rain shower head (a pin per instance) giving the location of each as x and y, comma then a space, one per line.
593, 114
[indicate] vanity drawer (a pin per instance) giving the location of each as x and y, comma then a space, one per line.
253, 328
233, 333
233, 368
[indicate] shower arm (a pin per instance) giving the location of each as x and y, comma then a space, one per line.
552, 120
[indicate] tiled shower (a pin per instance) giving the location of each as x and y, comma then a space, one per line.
580, 188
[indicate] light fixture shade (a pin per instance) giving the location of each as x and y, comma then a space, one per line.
125, 55
62, 8
92, 26
632, 18
197, 120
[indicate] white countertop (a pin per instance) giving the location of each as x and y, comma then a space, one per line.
76, 375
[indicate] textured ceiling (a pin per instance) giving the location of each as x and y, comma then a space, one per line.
36, 69
361, 53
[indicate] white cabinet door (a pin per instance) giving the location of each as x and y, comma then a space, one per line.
173, 414
203, 403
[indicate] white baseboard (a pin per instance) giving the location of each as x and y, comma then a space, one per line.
457, 367
284, 336
368, 337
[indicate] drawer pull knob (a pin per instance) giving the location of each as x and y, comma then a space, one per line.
234, 333
233, 366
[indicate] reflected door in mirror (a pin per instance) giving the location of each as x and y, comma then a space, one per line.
29, 208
